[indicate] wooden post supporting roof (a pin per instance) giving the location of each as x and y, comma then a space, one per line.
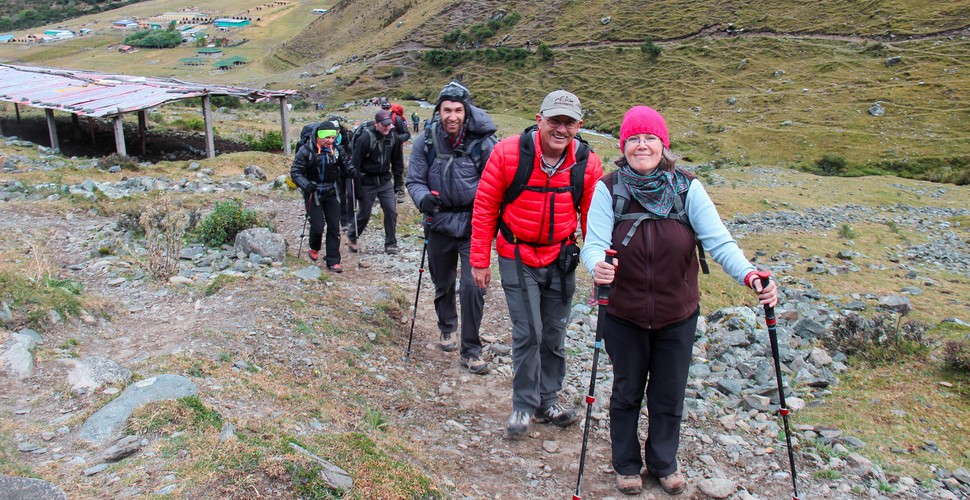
119, 136
52, 129
76, 125
285, 118
210, 144
142, 119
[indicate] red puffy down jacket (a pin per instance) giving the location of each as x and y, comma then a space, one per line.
529, 215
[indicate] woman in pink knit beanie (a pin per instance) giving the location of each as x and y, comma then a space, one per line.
654, 301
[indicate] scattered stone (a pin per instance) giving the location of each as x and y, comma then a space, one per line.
124, 447
877, 110
262, 242
717, 488
550, 446
255, 172
897, 303
309, 273
90, 471
93, 372
228, 432
334, 476
859, 464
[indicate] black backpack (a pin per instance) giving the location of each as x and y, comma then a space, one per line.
621, 202
368, 128
524, 171
307, 135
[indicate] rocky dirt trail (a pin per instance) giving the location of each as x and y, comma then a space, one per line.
453, 419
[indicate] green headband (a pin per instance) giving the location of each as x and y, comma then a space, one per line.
323, 134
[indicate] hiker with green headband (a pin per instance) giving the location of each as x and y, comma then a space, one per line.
319, 169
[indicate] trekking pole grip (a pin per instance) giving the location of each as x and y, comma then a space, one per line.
603, 291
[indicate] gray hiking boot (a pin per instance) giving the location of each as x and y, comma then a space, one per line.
475, 365
557, 415
447, 343
518, 425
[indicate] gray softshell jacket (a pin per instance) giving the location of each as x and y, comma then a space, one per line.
453, 173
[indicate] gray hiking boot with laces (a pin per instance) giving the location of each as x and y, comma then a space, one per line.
557, 415
447, 342
518, 425
474, 365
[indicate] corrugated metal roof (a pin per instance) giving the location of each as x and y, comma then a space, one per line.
101, 94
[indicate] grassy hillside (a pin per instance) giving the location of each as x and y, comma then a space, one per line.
757, 82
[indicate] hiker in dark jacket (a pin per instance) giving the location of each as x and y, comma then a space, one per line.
448, 158
319, 169
415, 120
654, 301
378, 157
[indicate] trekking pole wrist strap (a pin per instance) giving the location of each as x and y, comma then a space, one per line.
764, 276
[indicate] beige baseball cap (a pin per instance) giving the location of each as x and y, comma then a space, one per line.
561, 103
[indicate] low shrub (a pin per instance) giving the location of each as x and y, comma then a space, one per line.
882, 338
227, 219
956, 354
164, 225
190, 123
124, 161
830, 164
267, 141
650, 49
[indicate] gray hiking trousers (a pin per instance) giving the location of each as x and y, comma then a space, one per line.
538, 349
444, 255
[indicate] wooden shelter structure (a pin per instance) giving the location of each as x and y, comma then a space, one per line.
101, 95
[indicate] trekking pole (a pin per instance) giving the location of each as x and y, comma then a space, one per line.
783, 408
414, 312
306, 217
603, 298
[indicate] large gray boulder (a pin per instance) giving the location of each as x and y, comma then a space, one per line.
25, 488
17, 359
108, 422
93, 372
261, 241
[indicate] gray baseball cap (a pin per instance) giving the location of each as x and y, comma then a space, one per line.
561, 103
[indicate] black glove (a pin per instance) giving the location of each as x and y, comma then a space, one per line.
429, 204
310, 188
352, 173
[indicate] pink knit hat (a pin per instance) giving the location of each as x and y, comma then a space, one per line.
644, 120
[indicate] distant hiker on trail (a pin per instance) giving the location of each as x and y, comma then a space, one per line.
378, 158
533, 186
319, 169
415, 120
448, 159
654, 300
403, 135
400, 122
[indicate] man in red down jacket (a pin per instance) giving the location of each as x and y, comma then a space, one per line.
534, 231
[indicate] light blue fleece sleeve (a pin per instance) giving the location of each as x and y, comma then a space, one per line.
599, 227
717, 241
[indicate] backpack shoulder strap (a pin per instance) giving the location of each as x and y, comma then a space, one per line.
430, 133
527, 154
578, 174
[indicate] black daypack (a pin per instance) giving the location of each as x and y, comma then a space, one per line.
307, 135
364, 128
621, 203
524, 171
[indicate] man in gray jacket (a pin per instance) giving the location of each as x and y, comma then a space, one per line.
448, 158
